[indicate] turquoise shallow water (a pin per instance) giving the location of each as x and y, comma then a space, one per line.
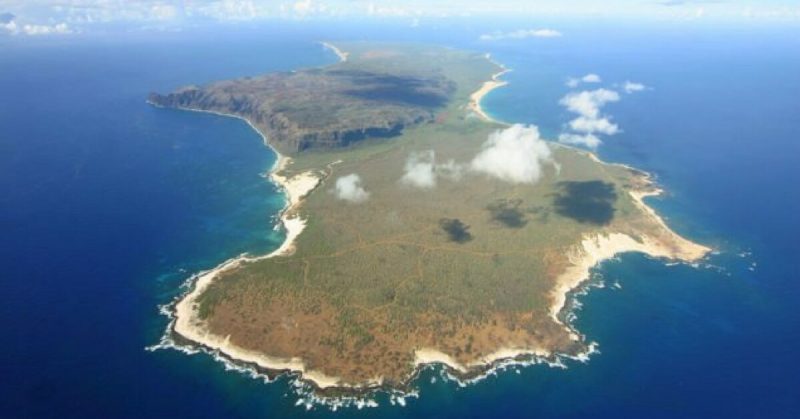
107, 205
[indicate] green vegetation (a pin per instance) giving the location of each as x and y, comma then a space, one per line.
467, 266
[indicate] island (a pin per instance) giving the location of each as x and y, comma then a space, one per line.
418, 229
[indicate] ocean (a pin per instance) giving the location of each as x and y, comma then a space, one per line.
108, 205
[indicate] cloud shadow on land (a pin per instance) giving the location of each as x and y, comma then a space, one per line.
456, 230
408, 91
589, 202
507, 213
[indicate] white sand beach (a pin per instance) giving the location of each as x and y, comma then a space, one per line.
341, 54
475, 98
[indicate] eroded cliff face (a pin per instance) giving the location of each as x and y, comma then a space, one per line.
320, 108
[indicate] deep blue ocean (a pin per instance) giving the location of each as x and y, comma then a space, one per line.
108, 205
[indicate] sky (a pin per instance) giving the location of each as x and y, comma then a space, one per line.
62, 17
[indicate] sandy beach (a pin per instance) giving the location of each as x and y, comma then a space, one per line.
488, 86
341, 54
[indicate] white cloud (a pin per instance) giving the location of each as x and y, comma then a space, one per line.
35, 30
588, 140
591, 78
631, 87
545, 33
700, 12
303, 7
235, 10
420, 170
388, 10
164, 12
349, 188
300, 9
10, 27
592, 125
521, 34
9, 24
589, 102
57, 29
574, 82
515, 154
90, 11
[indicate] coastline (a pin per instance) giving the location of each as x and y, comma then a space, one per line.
583, 257
184, 311
339, 53
596, 248
593, 250
489, 85
426, 356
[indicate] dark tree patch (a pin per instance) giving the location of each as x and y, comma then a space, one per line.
456, 230
590, 202
507, 212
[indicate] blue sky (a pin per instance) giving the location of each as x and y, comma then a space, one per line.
41, 17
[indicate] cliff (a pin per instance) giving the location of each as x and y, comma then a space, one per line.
320, 108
